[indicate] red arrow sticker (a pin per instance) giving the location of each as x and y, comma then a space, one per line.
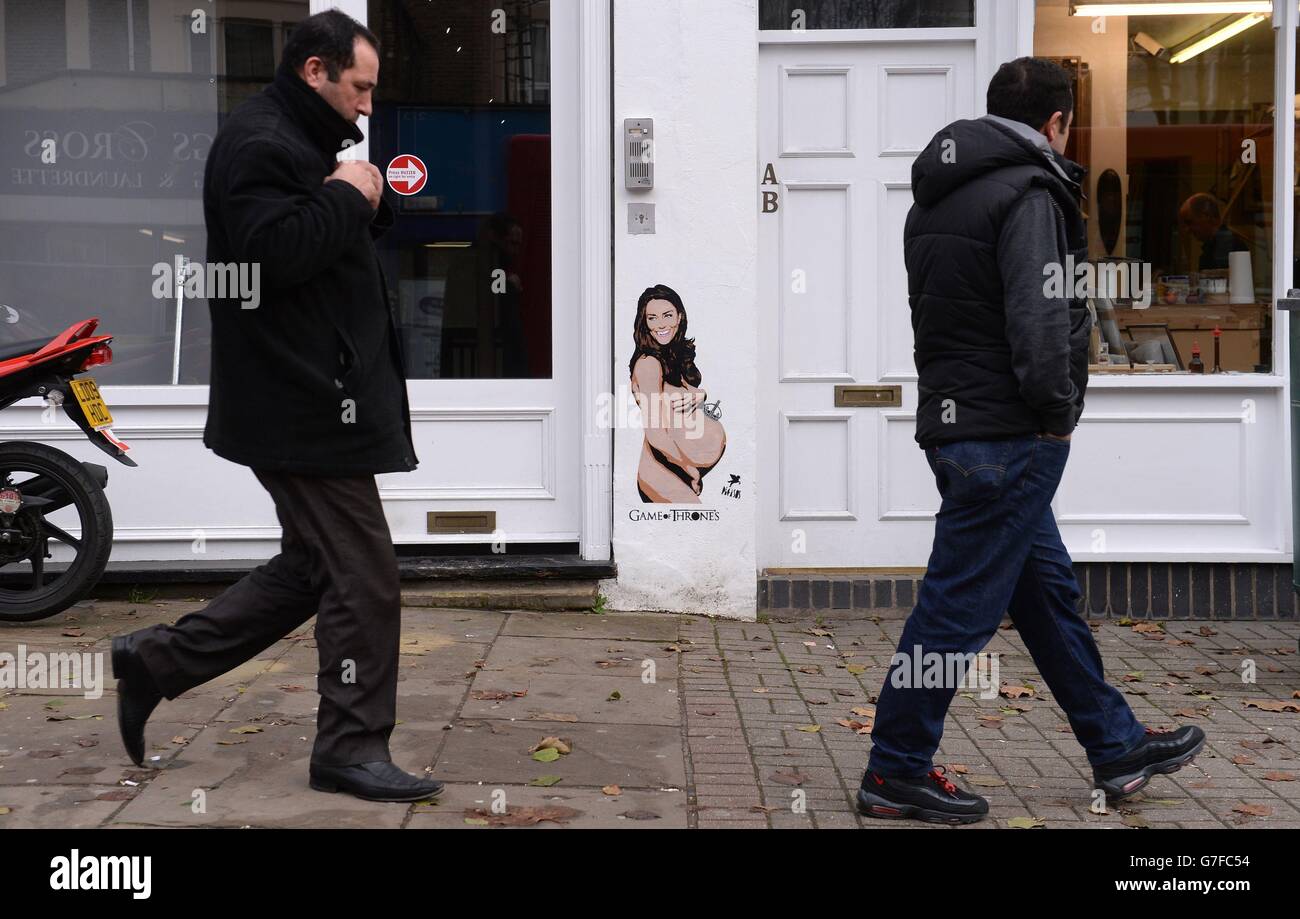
406, 174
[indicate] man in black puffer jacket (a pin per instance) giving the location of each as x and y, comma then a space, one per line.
308, 389
1002, 356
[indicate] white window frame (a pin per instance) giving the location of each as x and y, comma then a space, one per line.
595, 257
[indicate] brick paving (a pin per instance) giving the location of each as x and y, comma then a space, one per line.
699, 722
754, 691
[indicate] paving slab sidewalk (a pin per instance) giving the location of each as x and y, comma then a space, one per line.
670, 721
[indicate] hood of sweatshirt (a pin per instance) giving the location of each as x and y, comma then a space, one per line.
968, 149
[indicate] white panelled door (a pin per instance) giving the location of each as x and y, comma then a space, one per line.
840, 125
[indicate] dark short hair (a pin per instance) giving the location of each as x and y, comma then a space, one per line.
1030, 90
330, 36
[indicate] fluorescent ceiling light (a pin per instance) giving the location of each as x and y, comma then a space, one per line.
1189, 8
1217, 37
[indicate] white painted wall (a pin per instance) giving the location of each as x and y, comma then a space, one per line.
693, 68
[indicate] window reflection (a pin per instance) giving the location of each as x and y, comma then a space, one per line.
128, 94
465, 86
1174, 120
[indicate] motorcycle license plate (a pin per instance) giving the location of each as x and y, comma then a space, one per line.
92, 403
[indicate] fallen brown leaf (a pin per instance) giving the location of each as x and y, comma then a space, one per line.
1254, 810
551, 743
523, 816
1274, 705
489, 695
1015, 692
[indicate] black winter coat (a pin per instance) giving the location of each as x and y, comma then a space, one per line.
312, 380
976, 367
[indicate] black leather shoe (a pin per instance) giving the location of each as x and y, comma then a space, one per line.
380, 781
137, 696
1158, 752
933, 798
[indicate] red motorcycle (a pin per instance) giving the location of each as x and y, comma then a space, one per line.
48, 500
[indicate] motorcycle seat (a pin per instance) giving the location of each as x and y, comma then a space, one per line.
13, 349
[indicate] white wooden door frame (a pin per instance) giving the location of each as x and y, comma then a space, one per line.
1003, 30
594, 268
999, 34
1286, 19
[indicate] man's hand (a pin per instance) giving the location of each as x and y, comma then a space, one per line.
1066, 438
361, 175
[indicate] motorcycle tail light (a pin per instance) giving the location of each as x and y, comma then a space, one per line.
100, 354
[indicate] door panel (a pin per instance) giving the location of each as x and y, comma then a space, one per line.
840, 125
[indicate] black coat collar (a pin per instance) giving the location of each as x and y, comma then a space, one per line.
325, 128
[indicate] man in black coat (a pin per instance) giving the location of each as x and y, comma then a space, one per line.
308, 389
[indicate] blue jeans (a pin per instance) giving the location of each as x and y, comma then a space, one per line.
996, 548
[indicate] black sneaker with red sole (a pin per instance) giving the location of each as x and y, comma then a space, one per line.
933, 798
1159, 752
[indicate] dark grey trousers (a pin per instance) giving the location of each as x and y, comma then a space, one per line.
337, 563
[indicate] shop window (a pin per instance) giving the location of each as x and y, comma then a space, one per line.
248, 57
121, 35
200, 45
105, 122
854, 14
465, 86
34, 37
1174, 120
250, 53
1295, 267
